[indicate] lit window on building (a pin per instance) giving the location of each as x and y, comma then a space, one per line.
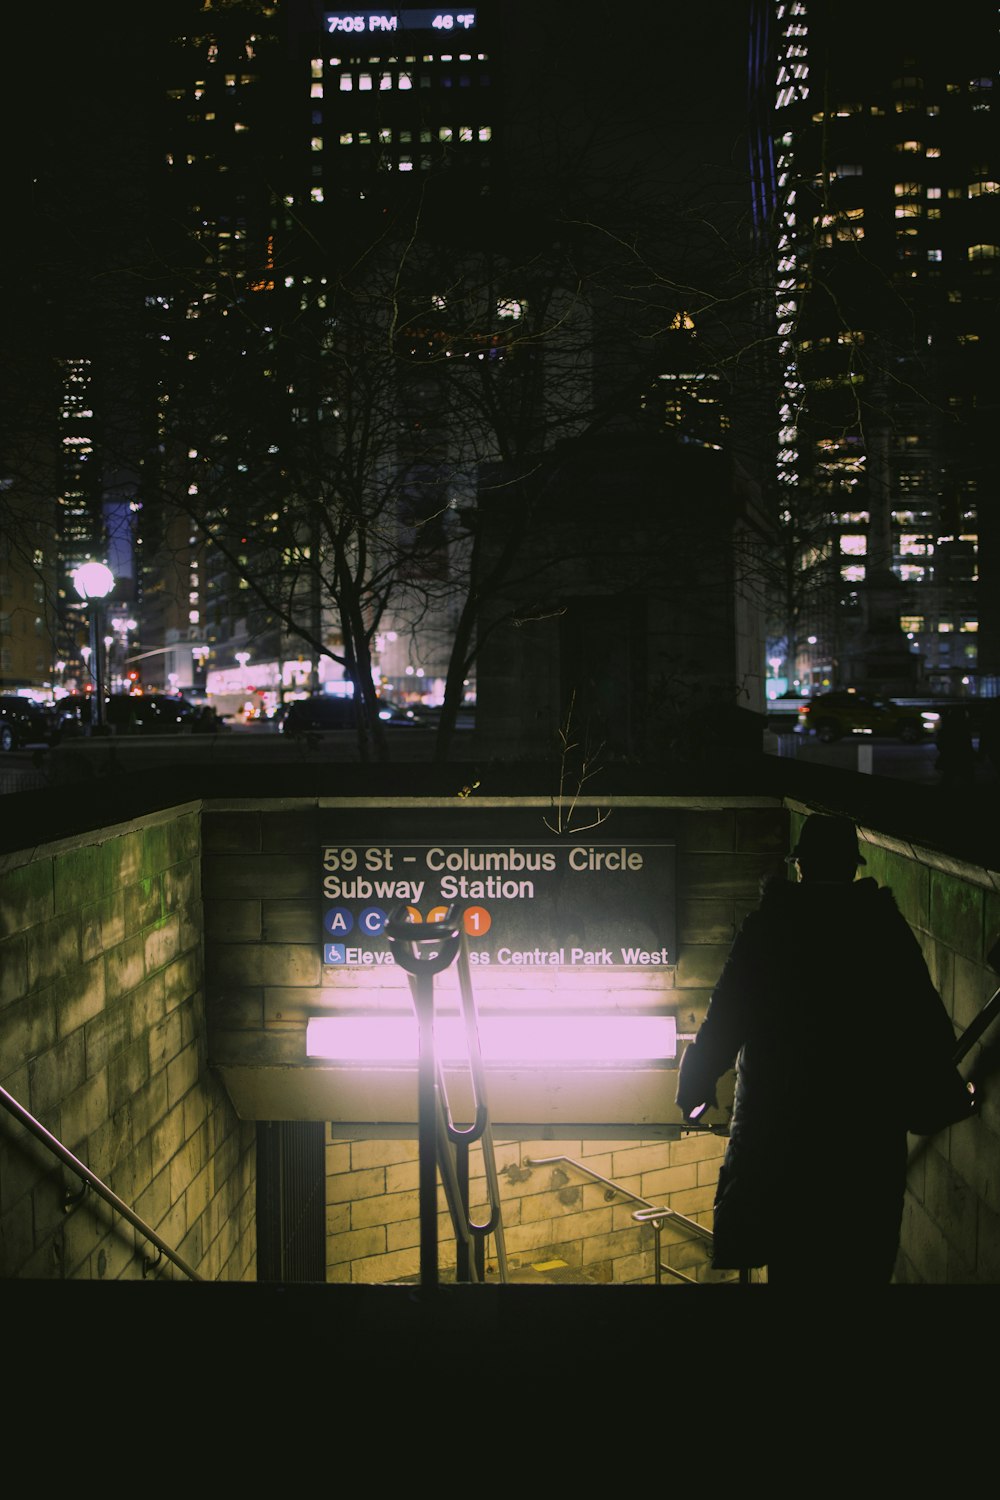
364, 81
984, 252
854, 545
912, 573
912, 544
911, 624
853, 573
346, 83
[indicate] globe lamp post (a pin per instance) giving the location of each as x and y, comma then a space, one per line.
93, 582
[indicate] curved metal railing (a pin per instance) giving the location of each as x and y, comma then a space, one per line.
424, 951
656, 1215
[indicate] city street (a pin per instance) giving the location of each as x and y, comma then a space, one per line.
876, 756
25, 770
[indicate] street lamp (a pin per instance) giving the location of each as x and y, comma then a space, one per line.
93, 582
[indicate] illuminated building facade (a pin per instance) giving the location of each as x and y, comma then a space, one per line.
399, 92
876, 166
291, 133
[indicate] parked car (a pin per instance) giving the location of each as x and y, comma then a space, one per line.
324, 712
831, 715
130, 713
24, 722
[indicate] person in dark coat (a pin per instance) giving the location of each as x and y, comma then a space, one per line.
842, 1046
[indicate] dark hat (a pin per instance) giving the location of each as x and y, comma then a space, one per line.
827, 836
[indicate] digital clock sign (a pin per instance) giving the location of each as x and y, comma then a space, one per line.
385, 22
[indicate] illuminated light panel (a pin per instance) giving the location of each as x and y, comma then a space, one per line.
507, 1039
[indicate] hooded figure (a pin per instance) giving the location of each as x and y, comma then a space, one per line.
842, 1045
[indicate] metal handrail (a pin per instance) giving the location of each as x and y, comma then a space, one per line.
424, 952
90, 1179
970, 1036
481, 1128
651, 1213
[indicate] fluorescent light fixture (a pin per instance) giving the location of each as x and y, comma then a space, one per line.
507, 1039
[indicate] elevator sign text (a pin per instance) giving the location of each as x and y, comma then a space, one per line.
588, 905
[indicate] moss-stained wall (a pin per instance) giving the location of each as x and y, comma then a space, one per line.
103, 1039
112, 1035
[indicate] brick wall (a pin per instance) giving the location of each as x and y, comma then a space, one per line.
103, 1039
559, 1223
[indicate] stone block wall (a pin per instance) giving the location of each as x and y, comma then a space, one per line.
108, 1026
103, 1039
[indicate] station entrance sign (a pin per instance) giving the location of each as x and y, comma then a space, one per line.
587, 905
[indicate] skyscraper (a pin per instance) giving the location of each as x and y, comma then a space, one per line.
309, 155
876, 166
